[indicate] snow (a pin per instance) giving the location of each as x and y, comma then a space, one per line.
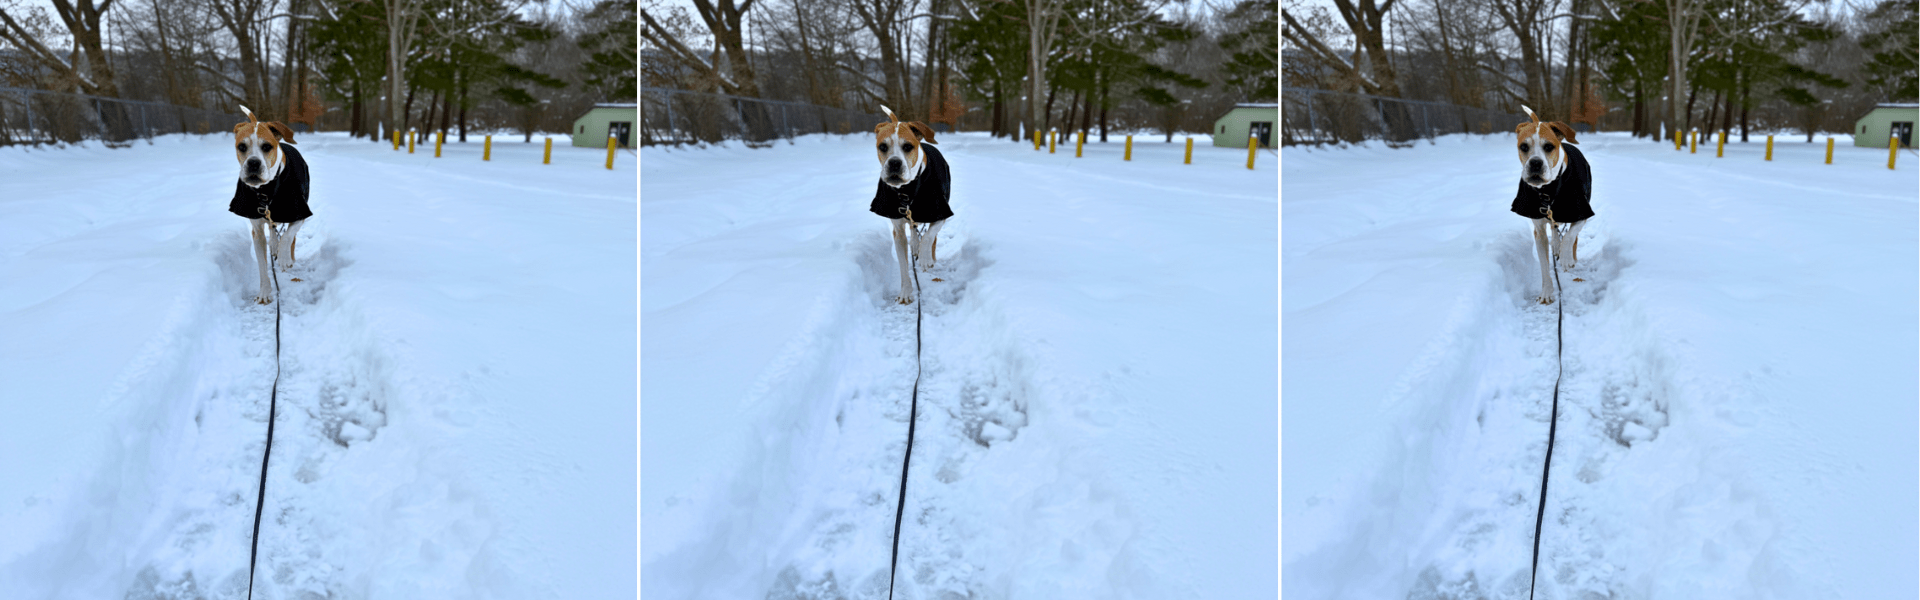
1737, 418
1096, 415
456, 403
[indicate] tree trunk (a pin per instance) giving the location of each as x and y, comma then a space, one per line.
1047, 123
1105, 88
1686, 124
462, 78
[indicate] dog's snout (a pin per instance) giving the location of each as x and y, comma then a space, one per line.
254, 165
896, 166
1536, 166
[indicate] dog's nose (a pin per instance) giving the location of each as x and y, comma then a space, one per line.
1536, 166
253, 166
895, 167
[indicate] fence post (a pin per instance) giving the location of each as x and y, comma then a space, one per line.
1311, 128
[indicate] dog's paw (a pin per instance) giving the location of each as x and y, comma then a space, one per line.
926, 265
904, 300
263, 300
286, 264
1545, 300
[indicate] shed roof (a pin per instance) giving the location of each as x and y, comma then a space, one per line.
1896, 105
615, 105
1257, 105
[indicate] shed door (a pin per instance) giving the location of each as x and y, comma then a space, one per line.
622, 130
1262, 130
1904, 131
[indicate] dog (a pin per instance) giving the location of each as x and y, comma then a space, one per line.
913, 191
272, 191
1556, 187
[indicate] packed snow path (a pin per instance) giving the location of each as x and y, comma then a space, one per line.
1737, 416
456, 405
1096, 413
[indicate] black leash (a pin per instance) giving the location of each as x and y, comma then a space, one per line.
913, 412
1553, 422
273, 399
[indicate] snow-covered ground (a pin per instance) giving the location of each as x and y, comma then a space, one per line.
1097, 416
456, 410
1738, 415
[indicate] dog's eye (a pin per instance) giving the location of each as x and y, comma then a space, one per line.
240, 147
906, 147
883, 147
1523, 147
1546, 148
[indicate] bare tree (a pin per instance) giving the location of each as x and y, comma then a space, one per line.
87, 67
724, 22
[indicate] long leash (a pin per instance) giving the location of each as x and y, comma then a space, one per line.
273, 402
1553, 421
913, 411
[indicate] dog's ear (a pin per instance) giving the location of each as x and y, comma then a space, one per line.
1565, 131
1517, 128
281, 129
922, 130
238, 126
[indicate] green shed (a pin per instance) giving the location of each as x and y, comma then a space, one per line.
1884, 121
591, 129
1255, 119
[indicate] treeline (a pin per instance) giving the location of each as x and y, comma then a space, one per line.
1647, 66
1010, 67
365, 66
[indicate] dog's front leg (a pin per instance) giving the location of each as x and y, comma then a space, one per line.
1540, 227
259, 227
900, 251
925, 244
1570, 245
283, 244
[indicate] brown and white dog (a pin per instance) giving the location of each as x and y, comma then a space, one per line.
272, 191
913, 191
1556, 187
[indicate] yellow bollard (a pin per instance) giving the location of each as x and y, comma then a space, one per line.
396, 140
1052, 136
547, 159
1693, 145
1036, 141
1721, 151
1893, 150
611, 142
1829, 150
1253, 143
1769, 147
438, 141
1189, 151
1082, 143
486, 152
1129, 155
410, 137
1676, 141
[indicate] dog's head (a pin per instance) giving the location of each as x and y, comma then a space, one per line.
257, 146
1542, 158
901, 158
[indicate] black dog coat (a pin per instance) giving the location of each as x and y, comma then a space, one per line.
287, 192
1571, 192
928, 191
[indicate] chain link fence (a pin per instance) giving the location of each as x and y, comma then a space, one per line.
29, 116
670, 116
1310, 116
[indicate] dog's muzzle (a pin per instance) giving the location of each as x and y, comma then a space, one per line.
1536, 171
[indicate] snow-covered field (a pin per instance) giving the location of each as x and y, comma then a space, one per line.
456, 410
1738, 416
1097, 415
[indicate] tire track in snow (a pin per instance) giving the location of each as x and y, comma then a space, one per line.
334, 397
974, 396
1614, 396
